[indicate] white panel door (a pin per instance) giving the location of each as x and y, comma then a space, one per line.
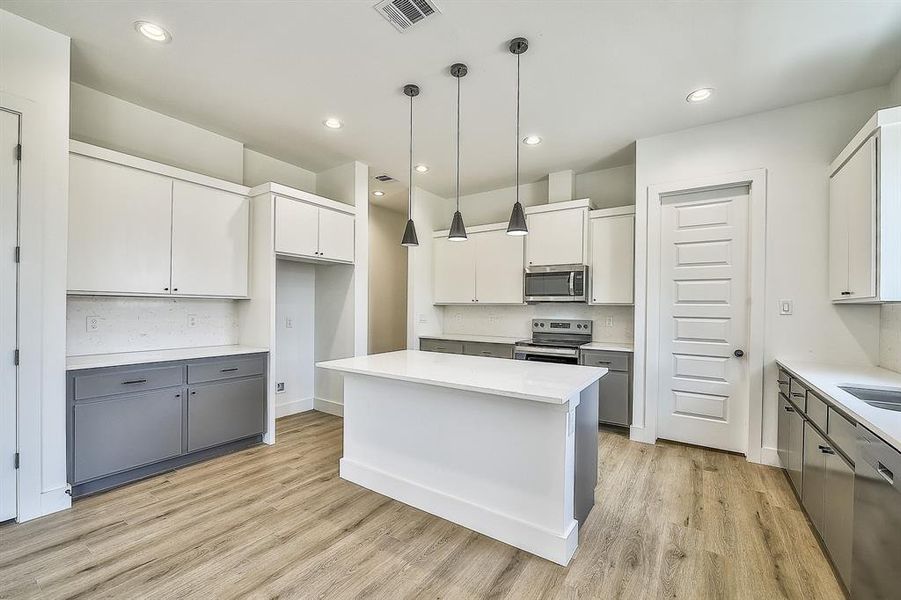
336, 235
556, 237
860, 175
454, 273
9, 215
498, 267
612, 266
296, 227
703, 386
120, 222
210, 241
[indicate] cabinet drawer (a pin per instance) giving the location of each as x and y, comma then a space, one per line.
223, 412
614, 399
843, 433
784, 382
817, 411
227, 368
798, 394
484, 349
131, 380
450, 347
615, 361
126, 432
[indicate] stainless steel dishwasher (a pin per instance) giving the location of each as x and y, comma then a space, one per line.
876, 573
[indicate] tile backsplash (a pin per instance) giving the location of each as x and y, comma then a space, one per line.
890, 337
611, 323
135, 324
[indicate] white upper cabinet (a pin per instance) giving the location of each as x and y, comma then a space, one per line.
308, 230
485, 269
865, 214
210, 241
612, 265
120, 222
141, 228
557, 234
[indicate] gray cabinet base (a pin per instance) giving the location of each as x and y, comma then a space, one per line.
111, 481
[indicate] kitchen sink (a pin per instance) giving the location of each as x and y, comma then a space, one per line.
886, 398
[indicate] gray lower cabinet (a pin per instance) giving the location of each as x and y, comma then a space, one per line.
127, 423
838, 513
446, 346
812, 495
795, 466
614, 388
489, 350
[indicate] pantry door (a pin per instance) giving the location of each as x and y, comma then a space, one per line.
703, 390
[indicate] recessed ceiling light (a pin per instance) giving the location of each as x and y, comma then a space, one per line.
699, 95
378, 193
422, 168
152, 31
531, 140
333, 123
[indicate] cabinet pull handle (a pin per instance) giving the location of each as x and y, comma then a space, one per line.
193, 392
230, 369
780, 382
826, 449
846, 293
133, 381
885, 472
797, 395
789, 409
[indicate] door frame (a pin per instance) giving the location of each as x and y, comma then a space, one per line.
648, 346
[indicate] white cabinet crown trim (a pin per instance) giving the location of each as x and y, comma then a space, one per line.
302, 196
552, 206
120, 158
882, 118
617, 211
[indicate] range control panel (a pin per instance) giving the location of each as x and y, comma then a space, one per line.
580, 326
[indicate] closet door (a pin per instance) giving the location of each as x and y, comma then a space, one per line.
498, 264
119, 228
210, 241
454, 271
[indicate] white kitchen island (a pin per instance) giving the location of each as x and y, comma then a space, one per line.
507, 448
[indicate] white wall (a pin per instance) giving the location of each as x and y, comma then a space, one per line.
295, 300
608, 187
516, 321
107, 121
136, 324
795, 145
387, 280
423, 317
34, 81
259, 168
890, 319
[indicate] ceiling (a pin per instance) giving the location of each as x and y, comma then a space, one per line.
597, 76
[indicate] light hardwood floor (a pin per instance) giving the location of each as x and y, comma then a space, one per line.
276, 522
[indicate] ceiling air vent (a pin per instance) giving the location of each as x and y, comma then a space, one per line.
384, 178
404, 14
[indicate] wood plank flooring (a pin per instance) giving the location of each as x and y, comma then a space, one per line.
277, 522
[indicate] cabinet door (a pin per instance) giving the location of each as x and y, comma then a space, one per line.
126, 432
860, 173
224, 412
612, 259
454, 271
812, 496
336, 235
783, 434
796, 451
120, 222
296, 227
556, 238
210, 241
498, 267
839, 513
613, 398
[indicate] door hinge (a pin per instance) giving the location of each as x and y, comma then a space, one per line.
17, 254
16, 357
18, 151
16, 460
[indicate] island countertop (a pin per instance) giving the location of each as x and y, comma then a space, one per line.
527, 380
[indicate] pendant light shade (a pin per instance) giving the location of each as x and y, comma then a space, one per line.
410, 239
457, 231
517, 224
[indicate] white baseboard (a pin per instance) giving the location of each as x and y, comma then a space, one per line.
521, 534
328, 406
641, 434
292, 407
770, 456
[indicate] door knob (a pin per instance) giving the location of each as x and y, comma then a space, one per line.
738, 353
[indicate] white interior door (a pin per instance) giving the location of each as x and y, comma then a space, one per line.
498, 266
703, 385
210, 241
9, 236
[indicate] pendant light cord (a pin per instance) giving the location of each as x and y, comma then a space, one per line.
517, 127
410, 195
458, 144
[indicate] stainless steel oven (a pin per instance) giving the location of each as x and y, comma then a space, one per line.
556, 283
554, 340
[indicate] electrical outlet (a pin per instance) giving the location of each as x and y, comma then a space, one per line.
492, 319
458, 318
608, 322
279, 387
289, 323
92, 324
786, 307
192, 320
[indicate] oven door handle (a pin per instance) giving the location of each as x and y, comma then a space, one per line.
546, 351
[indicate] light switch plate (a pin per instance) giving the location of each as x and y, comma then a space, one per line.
786, 307
279, 387
289, 323
608, 322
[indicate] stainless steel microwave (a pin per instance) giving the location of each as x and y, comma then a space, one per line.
556, 283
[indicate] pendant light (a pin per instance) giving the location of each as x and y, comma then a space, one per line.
517, 225
410, 238
458, 229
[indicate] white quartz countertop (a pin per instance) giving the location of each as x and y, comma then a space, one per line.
609, 346
825, 379
462, 337
541, 382
93, 361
